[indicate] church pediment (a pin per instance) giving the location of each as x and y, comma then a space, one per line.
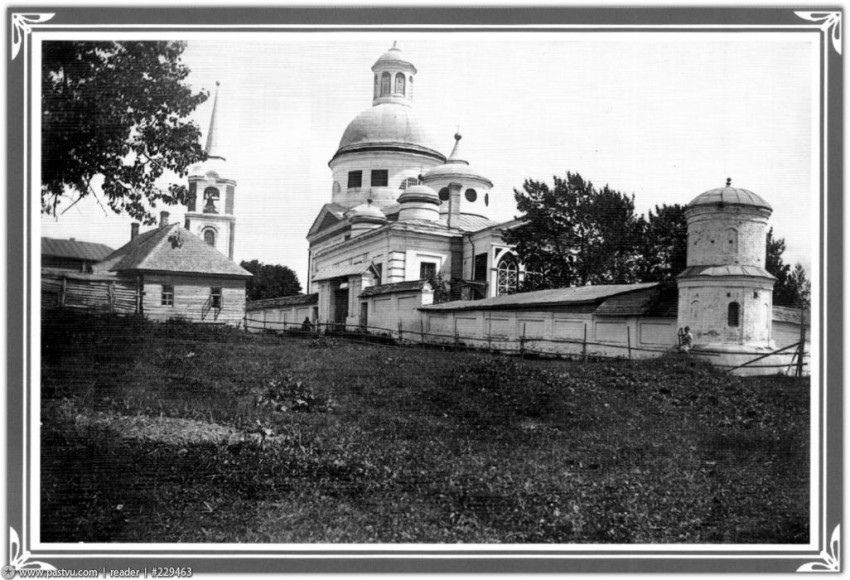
330, 215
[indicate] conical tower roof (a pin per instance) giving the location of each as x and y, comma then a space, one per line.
212, 148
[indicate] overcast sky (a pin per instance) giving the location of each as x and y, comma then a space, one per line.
661, 116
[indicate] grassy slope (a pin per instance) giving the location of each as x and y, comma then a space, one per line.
387, 444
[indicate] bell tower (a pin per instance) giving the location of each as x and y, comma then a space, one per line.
210, 202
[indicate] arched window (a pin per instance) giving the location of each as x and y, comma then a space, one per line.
399, 83
734, 316
385, 84
694, 310
210, 200
410, 88
209, 237
336, 188
508, 275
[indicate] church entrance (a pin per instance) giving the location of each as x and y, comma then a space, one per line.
340, 308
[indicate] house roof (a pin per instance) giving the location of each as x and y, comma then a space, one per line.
283, 301
74, 249
171, 249
544, 298
392, 288
659, 301
329, 272
727, 270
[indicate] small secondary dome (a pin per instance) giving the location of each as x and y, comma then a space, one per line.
455, 167
393, 57
419, 193
730, 196
366, 213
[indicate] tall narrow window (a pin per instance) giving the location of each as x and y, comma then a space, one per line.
375, 91
480, 268
211, 196
167, 295
209, 237
399, 83
378, 273
734, 314
380, 177
215, 297
508, 275
385, 84
355, 178
410, 88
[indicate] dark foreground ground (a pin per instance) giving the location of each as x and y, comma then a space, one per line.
177, 433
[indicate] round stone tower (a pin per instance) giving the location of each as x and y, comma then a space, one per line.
725, 294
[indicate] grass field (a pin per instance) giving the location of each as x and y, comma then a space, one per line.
178, 433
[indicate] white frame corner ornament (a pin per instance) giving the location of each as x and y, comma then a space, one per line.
21, 27
19, 559
831, 559
830, 23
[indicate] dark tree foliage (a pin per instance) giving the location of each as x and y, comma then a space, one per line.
270, 281
665, 244
575, 234
117, 110
792, 288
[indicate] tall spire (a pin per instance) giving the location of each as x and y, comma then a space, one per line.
457, 156
212, 148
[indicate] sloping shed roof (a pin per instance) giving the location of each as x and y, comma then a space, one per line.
543, 298
660, 301
74, 249
391, 288
283, 301
171, 249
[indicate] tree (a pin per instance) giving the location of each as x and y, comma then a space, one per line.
792, 288
270, 281
665, 244
575, 234
117, 110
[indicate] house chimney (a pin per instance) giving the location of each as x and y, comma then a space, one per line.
163, 219
454, 205
134, 230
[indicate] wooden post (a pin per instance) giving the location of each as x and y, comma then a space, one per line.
421, 330
110, 294
62, 292
629, 339
400, 335
802, 343
457, 339
584, 345
490, 332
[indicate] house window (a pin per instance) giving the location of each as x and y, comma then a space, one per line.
380, 177
355, 178
508, 275
167, 295
215, 297
378, 273
210, 199
209, 237
385, 84
427, 270
471, 195
734, 314
399, 83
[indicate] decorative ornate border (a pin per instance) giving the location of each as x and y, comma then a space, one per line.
19, 559
21, 27
831, 22
831, 560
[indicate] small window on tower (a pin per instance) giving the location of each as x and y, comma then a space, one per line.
409, 182
734, 314
399, 83
380, 177
444, 194
209, 237
210, 200
471, 195
355, 179
385, 84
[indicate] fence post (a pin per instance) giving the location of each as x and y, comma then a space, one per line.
421, 330
584, 345
490, 332
522, 342
629, 339
62, 292
457, 339
802, 343
400, 335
